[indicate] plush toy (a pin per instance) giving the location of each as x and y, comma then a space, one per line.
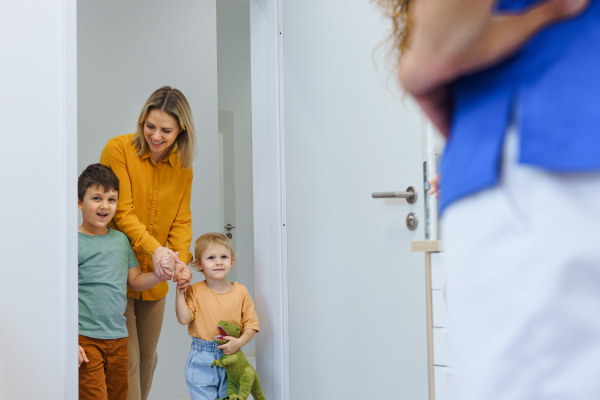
242, 379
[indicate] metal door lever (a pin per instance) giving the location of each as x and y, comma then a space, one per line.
229, 227
410, 195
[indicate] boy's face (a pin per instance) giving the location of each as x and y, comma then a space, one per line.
98, 209
215, 262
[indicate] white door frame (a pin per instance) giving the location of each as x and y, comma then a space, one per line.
69, 167
268, 160
268, 181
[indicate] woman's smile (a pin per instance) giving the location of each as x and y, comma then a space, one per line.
160, 132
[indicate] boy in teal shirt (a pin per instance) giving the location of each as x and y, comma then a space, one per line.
107, 265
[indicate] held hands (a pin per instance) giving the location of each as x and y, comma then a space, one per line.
167, 263
82, 356
167, 266
164, 260
184, 277
233, 345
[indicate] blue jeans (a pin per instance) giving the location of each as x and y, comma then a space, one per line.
205, 382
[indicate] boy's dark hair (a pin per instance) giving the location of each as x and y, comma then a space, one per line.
96, 175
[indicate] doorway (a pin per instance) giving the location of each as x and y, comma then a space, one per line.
126, 50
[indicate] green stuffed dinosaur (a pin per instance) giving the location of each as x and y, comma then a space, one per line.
240, 374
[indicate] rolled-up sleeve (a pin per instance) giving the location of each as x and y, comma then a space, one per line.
180, 235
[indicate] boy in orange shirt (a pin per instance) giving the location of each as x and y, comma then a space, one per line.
203, 306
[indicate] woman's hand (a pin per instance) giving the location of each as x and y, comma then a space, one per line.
167, 262
163, 266
453, 38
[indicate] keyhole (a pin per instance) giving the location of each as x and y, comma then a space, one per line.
412, 221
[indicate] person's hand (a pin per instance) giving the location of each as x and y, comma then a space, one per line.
167, 263
233, 345
435, 185
82, 356
162, 273
455, 38
184, 278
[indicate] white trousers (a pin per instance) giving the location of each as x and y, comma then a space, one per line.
523, 289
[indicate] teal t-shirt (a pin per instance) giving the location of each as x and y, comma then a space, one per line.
104, 262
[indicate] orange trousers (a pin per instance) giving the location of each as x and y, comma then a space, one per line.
104, 377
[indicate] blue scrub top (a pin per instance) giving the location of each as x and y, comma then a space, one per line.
550, 90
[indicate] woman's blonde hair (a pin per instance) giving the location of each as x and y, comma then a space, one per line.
174, 103
398, 12
212, 239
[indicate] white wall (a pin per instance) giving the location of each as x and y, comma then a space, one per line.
38, 301
126, 51
233, 55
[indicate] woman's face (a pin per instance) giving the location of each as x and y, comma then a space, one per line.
160, 132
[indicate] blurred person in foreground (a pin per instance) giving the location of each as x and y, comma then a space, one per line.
513, 85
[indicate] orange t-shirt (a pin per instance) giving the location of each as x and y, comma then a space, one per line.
208, 308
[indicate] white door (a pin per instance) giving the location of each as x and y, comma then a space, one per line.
227, 176
356, 293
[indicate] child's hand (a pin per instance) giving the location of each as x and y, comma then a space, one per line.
184, 278
233, 345
82, 356
184, 275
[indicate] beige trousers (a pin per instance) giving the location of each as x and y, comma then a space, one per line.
144, 322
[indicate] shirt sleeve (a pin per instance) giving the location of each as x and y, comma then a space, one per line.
114, 156
249, 317
132, 260
180, 235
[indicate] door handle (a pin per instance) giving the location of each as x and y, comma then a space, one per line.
410, 195
229, 227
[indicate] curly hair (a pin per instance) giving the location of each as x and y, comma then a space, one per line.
398, 12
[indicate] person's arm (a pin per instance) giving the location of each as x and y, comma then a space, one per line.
249, 325
139, 281
180, 234
114, 155
234, 344
453, 38
184, 316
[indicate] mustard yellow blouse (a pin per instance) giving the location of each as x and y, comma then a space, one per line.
153, 207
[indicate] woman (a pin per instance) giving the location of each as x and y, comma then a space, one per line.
154, 166
514, 85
